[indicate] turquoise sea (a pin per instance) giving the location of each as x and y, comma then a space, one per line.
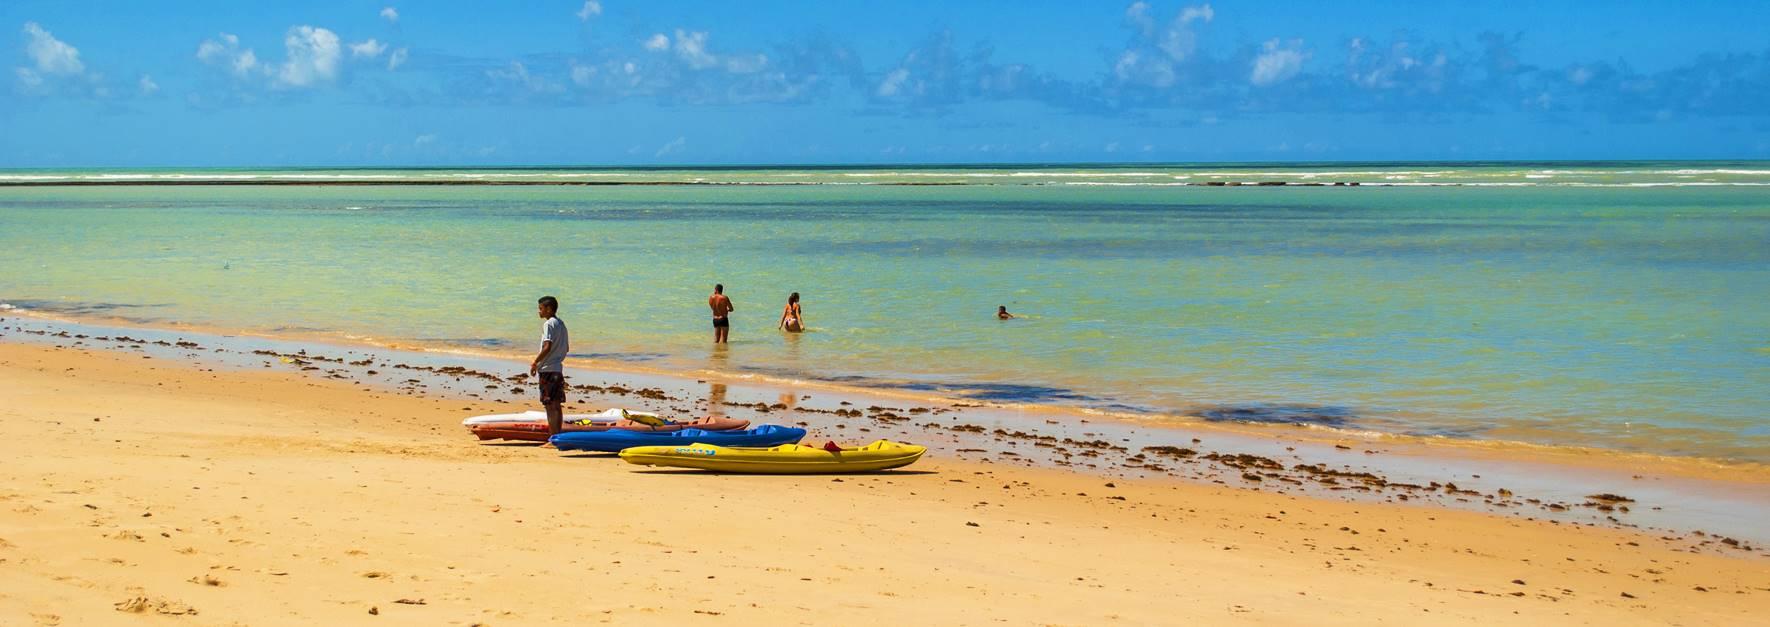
1617, 305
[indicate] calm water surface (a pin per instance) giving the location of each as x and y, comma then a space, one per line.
1616, 308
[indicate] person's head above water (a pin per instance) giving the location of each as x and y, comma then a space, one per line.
793, 298
1002, 309
718, 288
547, 306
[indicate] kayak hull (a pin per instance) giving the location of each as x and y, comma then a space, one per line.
612, 441
790, 459
537, 431
534, 415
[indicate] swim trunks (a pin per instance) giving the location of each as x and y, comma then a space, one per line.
720, 323
552, 387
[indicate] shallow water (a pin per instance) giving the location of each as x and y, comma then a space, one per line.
1627, 316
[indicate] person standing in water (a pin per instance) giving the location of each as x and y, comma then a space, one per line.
1002, 313
792, 319
549, 364
722, 309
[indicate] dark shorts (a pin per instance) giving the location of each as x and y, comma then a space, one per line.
720, 323
552, 388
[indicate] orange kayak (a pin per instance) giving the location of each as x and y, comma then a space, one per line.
537, 431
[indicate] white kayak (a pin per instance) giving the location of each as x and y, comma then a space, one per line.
534, 415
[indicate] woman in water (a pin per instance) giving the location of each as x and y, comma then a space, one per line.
792, 319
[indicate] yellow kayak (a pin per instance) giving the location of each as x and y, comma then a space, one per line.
780, 460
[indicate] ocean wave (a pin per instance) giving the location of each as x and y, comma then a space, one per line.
1715, 171
1126, 184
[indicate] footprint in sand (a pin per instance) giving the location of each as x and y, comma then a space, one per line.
142, 604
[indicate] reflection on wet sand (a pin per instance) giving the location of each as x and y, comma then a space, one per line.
716, 400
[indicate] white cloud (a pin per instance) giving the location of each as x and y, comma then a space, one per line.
746, 63
423, 140
583, 75
1400, 66
1162, 51
1138, 15
390, 14
1179, 41
591, 9
28, 79
893, 82
1277, 62
398, 58
245, 62
367, 49
226, 52
1579, 75
519, 74
675, 145
692, 49
313, 57
52, 56
147, 85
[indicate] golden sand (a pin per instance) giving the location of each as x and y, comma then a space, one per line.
139, 491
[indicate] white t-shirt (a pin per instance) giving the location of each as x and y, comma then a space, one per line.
554, 330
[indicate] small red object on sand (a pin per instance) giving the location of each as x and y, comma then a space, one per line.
832, 447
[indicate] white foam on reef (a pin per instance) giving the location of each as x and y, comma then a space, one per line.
1715, 171
1090, 174
1125, 184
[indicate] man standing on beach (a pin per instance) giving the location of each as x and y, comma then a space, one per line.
549, 364
722, 308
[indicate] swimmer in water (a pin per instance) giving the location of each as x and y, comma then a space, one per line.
722, 309
792, 318
1002, 313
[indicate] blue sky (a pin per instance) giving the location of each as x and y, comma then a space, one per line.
618, 82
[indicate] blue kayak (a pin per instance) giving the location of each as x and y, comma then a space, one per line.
614, 441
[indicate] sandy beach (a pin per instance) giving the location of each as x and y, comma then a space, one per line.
142, 489
1071, 313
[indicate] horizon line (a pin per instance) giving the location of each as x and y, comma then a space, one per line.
927, 165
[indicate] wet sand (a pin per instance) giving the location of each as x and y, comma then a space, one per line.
207, 493
1704, 502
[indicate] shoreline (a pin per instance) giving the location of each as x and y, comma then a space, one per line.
1594, 457
221, 493
1522, 481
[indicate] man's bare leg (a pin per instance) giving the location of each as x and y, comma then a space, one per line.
555, 418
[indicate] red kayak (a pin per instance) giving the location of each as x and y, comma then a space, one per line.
537, 431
